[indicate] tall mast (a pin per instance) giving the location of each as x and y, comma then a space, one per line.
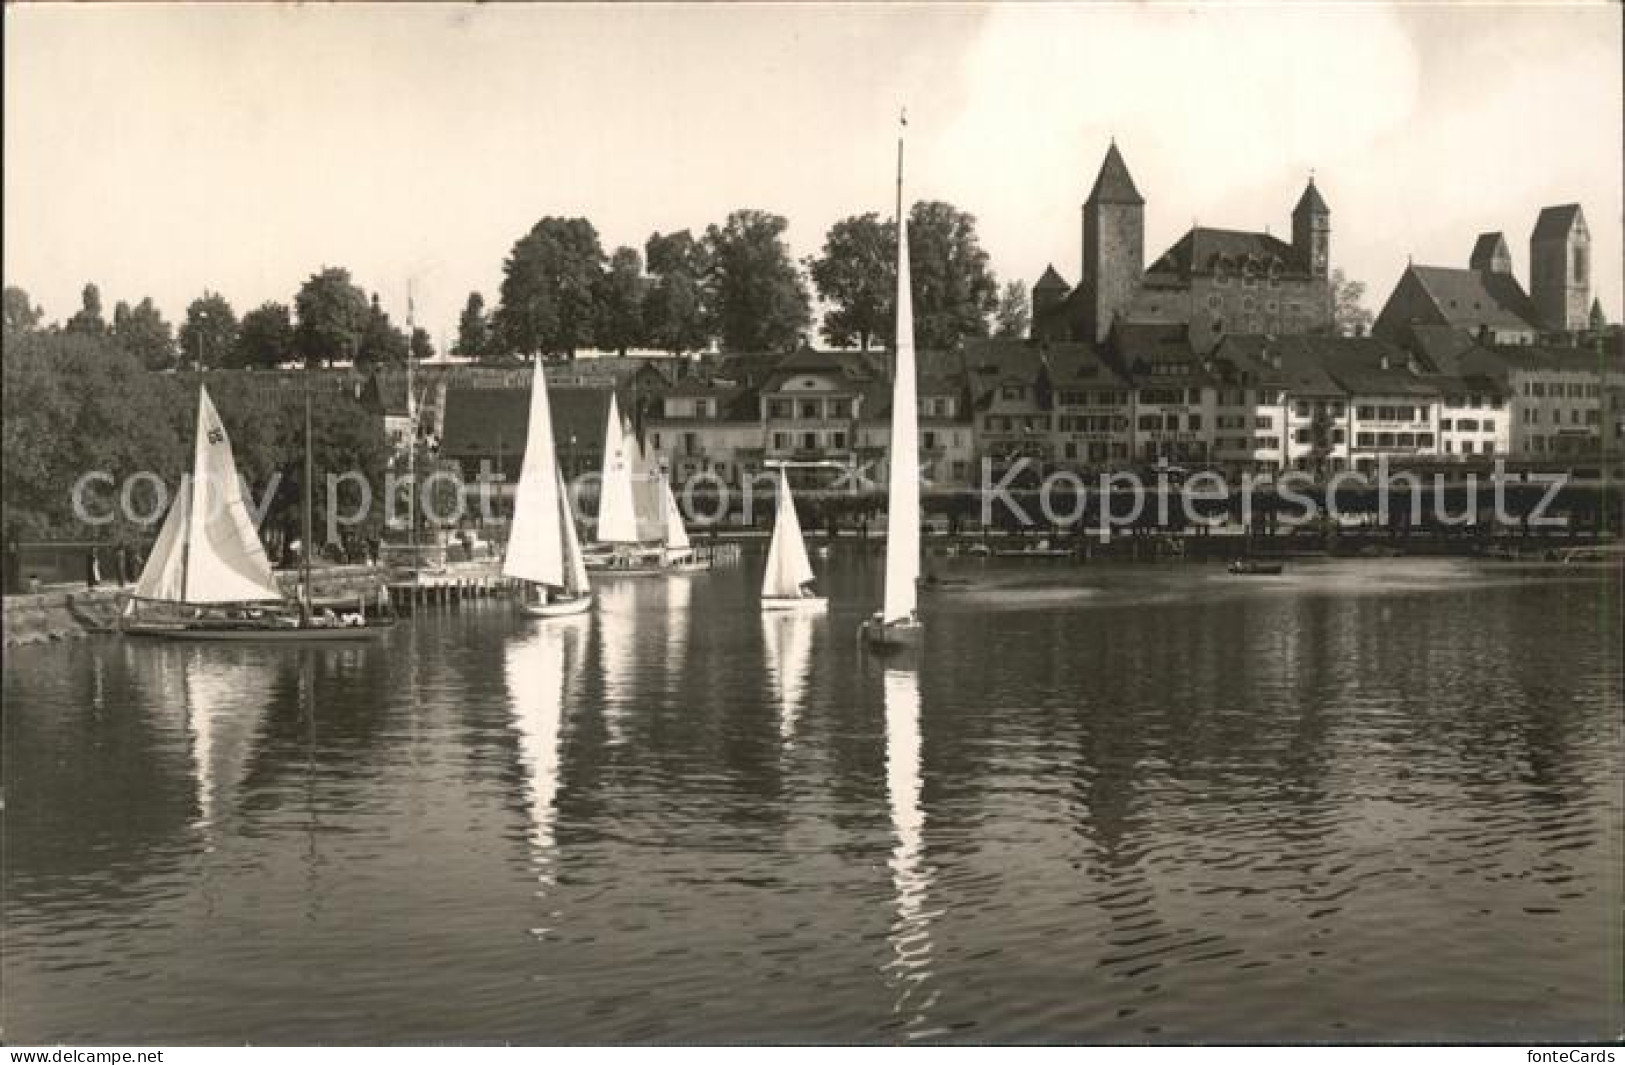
305, 518
902, 126
411, 439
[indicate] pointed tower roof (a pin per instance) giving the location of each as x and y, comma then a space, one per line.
1311, 201
1490, 252
1554, 223
1114, 185
1599, 320
1052, 280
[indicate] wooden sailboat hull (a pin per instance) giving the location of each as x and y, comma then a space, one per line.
248, 634
798, 603
896, 635
558, 608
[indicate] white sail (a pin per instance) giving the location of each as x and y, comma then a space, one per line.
788, 566
903, 478
648, 499
575, 564
617, 514
910, 968
675, 533
208, 550
164, 575
535, 544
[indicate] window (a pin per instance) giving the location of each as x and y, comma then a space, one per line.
809, 441
1171, 423
1337, 436
1365, 439
702, 408
1489, 425
1301, 408
837, 440
654, 441
929, 439
809, 408
691, 443
1012, 392
1385, 439
1215, 301
781, 441
1263, 421
778, 408
1150, 422
1367, 414
1593, 417
840, 408
1301, 436
1537, 388
1444, 424
1465, 425
1576, 391
1195, 421
1466, 447
1424, 439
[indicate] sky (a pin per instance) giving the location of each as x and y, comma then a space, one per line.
162, 150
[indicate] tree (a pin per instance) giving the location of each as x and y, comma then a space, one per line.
381, 342
857, 274
674, 310
1014, 314
755, 296
21, 315
954, 291
618, 299
265, 339
142, 332
474, 332
88, 320
1349, 317
548, 281
332, 314
208, 337
421, 347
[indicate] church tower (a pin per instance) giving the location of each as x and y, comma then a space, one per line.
1312, 232
1113, 245
1560, 268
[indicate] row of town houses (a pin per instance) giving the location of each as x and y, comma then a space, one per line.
1255, 403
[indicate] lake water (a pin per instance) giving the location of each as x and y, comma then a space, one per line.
1373, 800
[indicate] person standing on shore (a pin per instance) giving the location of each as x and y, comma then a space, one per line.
93, 569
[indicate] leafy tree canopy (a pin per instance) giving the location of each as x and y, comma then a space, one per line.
548, 283
756, 297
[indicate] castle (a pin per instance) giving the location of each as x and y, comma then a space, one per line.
1213, 281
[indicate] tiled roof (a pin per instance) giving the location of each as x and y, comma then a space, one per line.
1470, 298
1200, 247
1554, 223
1368, 366
478, 419
1113, 184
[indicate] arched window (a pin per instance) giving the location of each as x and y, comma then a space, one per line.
1579, 265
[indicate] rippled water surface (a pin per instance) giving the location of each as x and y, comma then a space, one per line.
1373, 800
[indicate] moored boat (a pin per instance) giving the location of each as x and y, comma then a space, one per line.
1248, 567
208, 577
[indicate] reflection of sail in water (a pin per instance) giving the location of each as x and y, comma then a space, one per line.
787, 638
225, 702
678, 595
617, 619
538, 666
910, 970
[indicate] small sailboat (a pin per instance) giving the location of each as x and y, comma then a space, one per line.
544, 550
208, 577
897, 623
640, 528
787, 583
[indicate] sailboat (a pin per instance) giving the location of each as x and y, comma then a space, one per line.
544, 550
897, 623
640, 528
208, 577
786, 585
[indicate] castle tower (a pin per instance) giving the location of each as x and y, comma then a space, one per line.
1113, 245
1049, 299
1312, 231
1491, 255
1560, 268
